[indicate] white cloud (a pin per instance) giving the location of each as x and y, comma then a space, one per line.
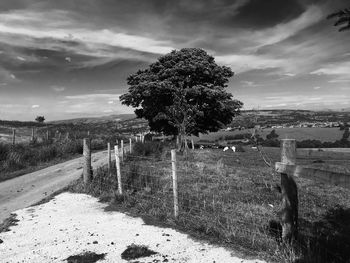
110, 102
60, 25
93, 96
21, 58
58, 88
249, 83
243, 63
35, 106
289, 74
341, 68
316, 88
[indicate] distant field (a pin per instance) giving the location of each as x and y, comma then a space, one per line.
322, 134
23, 134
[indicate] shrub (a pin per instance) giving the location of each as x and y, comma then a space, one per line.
148, 149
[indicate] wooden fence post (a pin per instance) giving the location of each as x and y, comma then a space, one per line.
122, 150
33, 135
109, 158
174, 174
87, 170
289, 190
47, 135
192, 143
117, 163
130, 145
13, 136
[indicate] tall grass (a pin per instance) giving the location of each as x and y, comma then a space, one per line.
229, 199
14, 158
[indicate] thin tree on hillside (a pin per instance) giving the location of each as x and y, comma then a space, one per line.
40, 119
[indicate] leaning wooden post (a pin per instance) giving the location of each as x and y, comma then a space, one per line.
87, 170
122, 150
109, 158
117, 164
174, 174
289, 190
192, 143
130, 145
13, 136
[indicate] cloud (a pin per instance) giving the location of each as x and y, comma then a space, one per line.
249, 83
340, 68
316, 88
35, 106
61, 25
58, 88
243, 63
93, 96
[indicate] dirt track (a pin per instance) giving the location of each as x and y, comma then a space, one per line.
30, 188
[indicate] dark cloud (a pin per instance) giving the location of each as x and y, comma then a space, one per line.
268, 13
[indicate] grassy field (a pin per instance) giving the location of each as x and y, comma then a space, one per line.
230, 199
322, 134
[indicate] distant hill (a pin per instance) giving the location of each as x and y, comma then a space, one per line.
103, 119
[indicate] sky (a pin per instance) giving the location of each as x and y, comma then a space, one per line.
70, 58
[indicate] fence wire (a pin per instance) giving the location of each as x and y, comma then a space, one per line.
232, 196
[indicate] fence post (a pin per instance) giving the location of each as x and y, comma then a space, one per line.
192, 143
130, 144
109, 158
87, 170
289, 190
13, 136
33, 135
122, 150
47, 135
174, 175
117, 164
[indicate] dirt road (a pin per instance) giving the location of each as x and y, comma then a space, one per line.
28, 189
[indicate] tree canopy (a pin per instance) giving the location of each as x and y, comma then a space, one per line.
40, 119
343, 18
183, 93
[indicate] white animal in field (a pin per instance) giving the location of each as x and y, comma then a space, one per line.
255, 148
226, 148
201, 147
233, 148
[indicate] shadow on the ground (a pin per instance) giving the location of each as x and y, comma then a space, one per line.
327, 240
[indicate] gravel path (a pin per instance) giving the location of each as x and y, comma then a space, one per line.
71, 224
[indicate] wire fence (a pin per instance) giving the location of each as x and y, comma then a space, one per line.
231, 196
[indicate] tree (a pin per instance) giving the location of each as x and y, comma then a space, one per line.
183, 93
343, 18
40, 119
272, 135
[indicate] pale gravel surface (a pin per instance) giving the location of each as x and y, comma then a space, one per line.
28, 189
71, 223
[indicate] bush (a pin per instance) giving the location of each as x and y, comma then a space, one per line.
148, 149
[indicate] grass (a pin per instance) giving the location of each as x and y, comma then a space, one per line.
322, 134
21, 158
230, 199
